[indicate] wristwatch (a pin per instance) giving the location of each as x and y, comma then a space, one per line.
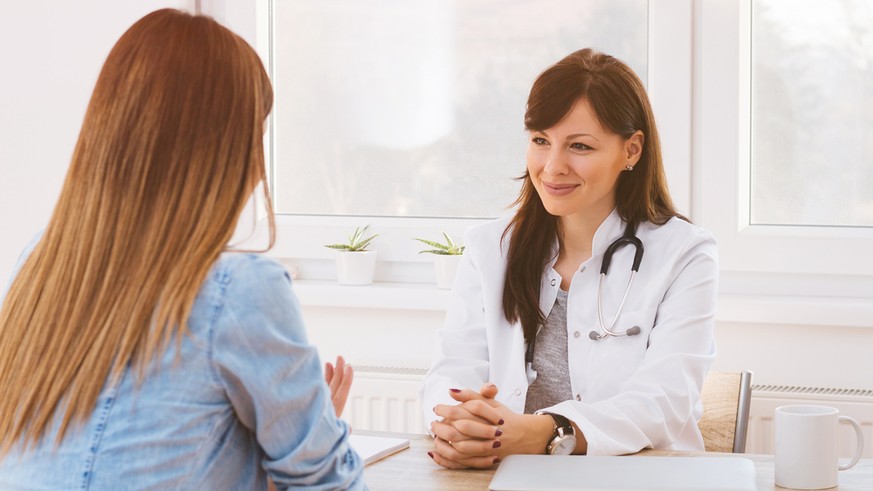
564, 440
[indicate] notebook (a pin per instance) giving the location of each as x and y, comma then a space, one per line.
373, 448
631, 473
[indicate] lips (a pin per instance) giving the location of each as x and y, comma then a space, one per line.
557, 189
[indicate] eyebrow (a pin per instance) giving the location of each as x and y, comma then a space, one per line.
574, 135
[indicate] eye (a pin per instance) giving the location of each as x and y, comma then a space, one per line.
538, 140
580, 146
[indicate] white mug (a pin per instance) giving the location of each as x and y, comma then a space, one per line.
807, 455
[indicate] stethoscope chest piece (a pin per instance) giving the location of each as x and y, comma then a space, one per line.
633, 331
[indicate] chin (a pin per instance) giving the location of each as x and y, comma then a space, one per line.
558, 210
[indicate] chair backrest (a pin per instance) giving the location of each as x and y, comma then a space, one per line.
726, 398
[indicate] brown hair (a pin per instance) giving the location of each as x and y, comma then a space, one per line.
619, 100
169, 153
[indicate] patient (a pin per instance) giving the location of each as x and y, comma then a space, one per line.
136, 352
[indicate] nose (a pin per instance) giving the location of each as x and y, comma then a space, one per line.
557, 163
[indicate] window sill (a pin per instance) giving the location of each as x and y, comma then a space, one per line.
379, 295
795, 310
762, 309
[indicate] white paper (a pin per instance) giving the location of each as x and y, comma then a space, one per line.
373, 448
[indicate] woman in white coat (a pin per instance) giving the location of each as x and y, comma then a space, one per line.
525, 362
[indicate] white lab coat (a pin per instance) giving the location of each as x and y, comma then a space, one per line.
630, 392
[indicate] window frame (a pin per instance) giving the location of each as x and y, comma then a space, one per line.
723, 96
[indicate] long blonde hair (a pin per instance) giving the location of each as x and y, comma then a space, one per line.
169, 152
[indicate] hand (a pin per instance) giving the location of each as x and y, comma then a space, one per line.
339, 380
474, 445
520, 433
479, 431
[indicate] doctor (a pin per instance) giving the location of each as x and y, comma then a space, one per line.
540, 352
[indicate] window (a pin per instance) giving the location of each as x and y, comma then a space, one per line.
401, 108
732, 83
779, 98
812, 113
408, 116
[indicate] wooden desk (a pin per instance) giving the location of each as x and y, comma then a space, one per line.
412, 469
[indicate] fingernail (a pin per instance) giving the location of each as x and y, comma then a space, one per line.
430, 454
434, 409
455, 390
498, 432
496, 460
500, 422
496, 444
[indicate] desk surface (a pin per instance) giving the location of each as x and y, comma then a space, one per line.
413, 469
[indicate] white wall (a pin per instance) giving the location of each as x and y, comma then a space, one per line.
51, 53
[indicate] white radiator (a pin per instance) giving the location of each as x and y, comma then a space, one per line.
855, 403
387, 399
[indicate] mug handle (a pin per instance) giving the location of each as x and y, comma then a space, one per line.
858, 448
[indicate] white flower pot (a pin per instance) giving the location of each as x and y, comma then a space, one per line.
445, 267
355, 268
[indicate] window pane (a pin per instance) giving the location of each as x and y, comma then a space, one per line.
415, 108
812, 112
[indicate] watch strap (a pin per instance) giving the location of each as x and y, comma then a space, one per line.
562, 428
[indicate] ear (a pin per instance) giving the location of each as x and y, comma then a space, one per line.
633, 147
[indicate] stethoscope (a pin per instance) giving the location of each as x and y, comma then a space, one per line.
629, 237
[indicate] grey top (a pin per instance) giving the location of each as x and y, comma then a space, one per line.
552, 384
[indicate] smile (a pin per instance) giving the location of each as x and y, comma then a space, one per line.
559, 189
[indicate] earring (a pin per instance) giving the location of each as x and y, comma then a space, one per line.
628, 167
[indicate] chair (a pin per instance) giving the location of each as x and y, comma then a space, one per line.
726, 398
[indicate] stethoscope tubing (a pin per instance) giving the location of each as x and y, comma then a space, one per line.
607, 330
629, 237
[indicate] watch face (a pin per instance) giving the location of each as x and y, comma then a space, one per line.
564, 445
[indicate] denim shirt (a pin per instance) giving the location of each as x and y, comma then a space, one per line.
242, 398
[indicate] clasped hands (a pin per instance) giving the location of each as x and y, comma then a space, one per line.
479, 431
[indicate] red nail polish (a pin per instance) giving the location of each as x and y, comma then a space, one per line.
500, 422
496, 444
498, 432
455, 390
496, 460
430, 454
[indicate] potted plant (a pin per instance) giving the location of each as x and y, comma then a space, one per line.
355, 265
446, 257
